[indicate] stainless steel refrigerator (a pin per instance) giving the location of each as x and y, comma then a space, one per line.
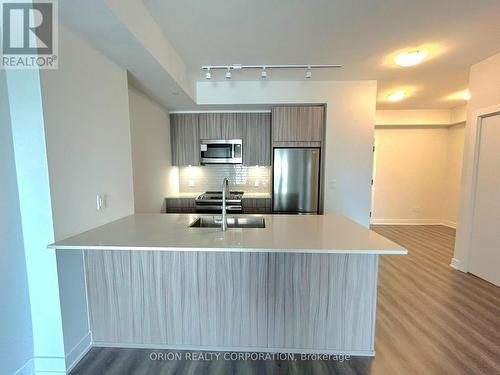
296, 180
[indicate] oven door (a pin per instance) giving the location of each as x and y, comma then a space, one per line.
221, 151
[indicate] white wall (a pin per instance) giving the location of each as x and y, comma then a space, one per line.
151, 153
459, 114
454, 163
410, 175
350, 119
26, 112
87, 130
484, 84
418, 166
16, 336
413, 117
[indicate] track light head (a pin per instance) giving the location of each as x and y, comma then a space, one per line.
263, 74
308, 73
208, 75
228, 74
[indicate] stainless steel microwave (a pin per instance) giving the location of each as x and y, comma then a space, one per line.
221, 151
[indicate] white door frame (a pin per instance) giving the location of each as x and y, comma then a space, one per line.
468, 202
374, 173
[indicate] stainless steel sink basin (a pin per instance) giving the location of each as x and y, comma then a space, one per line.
232, 222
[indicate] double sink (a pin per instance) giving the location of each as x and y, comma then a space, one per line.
232, 222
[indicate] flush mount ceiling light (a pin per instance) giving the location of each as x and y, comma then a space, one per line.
411, 58
459, 96
396, 96
264, 68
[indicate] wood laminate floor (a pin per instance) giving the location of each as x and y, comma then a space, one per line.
431, 319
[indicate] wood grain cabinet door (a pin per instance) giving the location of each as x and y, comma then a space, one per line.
178, 298
298, 124
314, 302
210, 125
232, 125
180, 205
257, 139
185, 139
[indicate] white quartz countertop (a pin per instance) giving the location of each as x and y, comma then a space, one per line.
283, 233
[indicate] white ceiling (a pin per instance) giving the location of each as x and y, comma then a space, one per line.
360, 34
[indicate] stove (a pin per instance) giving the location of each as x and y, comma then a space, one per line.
211, 202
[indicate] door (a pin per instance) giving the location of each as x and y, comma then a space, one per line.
296, 180
484, 258
257, 139
185, 139
210, 125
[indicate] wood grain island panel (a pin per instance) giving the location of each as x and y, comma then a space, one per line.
233, 301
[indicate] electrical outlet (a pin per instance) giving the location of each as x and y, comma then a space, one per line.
416, 209
100, 202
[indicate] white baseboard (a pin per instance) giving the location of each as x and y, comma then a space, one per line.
448, 223
406, 222
457, 264
78, 352
27, 369
364, 353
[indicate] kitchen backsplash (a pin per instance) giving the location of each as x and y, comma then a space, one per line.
209, 177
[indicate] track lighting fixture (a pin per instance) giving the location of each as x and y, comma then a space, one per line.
264, 68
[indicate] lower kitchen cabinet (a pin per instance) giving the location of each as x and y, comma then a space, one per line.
257, 206
178, 298
314, 302
180, 205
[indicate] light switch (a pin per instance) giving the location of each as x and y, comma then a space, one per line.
100, 202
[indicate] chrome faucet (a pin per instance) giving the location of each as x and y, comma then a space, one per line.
225, 184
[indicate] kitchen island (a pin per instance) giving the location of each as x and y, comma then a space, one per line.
299, 284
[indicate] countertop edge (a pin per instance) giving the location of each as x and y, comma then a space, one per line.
229, 250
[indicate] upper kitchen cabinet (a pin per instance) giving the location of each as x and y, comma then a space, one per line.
298, 124
187, 129
210, 125
257, 139
221, 125
185, 138
232, 125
